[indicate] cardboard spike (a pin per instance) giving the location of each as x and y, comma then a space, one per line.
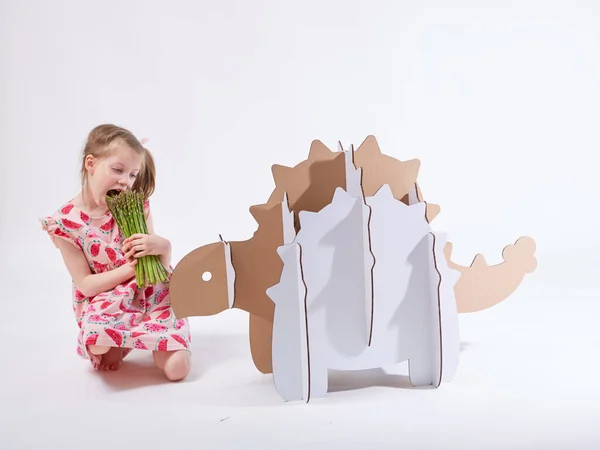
369, 145
280, 173
379, 169
384, 191
433, 211
256, 212
482, 286
319, 151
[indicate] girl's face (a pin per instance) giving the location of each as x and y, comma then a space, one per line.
116, 171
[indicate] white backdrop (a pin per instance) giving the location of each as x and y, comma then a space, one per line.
500, 102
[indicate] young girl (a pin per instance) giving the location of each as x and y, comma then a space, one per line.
114, 315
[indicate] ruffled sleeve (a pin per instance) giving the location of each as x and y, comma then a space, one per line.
57, 230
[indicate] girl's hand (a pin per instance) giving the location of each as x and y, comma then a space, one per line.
144, 244
129, 257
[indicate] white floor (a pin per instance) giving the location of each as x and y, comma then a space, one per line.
528, 379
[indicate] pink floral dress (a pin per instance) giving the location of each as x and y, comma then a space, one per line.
126, 316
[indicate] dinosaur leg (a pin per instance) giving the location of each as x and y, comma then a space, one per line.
261, 335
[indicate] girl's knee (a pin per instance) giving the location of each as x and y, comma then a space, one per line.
176, 364
97, 349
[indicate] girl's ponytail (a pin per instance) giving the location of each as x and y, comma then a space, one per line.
145, 181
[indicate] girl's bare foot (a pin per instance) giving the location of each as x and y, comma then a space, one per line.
105, 358
175, 364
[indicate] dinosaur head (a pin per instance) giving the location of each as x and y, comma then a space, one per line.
202, 283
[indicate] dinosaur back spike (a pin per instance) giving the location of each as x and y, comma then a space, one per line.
369, 146
257, 211
280, 173
318, 151
379, 169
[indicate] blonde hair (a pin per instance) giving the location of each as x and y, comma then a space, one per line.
97, 145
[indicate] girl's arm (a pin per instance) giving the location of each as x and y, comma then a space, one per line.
88, 283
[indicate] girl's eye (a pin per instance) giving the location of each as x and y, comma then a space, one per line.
121, 171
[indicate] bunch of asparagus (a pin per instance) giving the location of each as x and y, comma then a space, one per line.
127, 208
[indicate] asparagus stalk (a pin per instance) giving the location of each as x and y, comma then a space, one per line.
159, 271
140, 222
127, 209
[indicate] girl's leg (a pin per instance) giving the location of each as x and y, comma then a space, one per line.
175, 364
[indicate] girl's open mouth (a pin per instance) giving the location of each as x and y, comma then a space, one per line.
113, 192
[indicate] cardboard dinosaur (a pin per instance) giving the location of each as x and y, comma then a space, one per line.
241, 272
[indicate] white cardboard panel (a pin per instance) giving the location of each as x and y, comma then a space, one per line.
290, 345
354, 189
333, 262
404, 324
413, 196
289, 232
230, 271
450, 350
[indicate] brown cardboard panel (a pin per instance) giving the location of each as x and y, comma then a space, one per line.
379, 169
481, 286
192, 296
256, 263
261, 334
310, 184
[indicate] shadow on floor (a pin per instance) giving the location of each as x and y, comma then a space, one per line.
208, 350
212, 350
340, 381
